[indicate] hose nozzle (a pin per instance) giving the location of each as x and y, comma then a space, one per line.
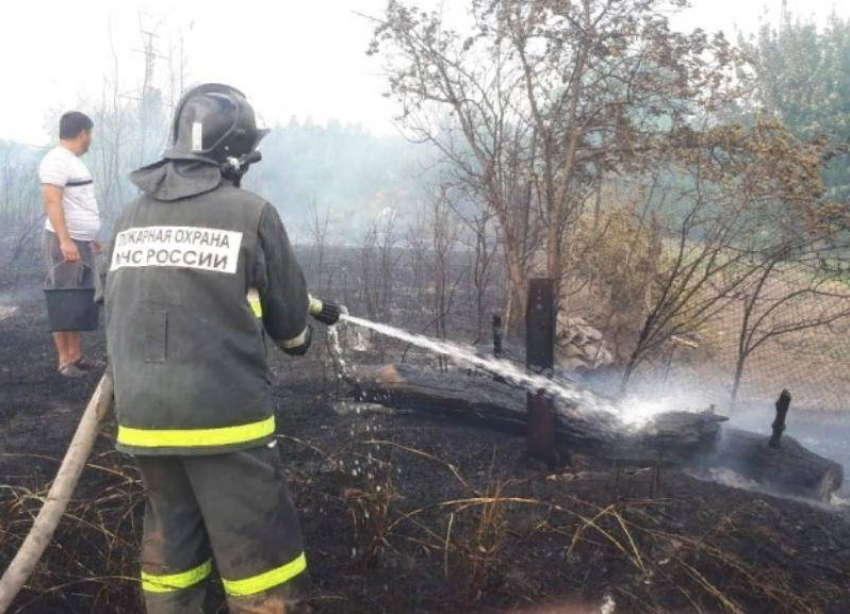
326, 312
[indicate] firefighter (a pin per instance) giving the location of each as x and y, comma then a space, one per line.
201, 278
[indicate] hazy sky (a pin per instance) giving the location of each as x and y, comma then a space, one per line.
304, 58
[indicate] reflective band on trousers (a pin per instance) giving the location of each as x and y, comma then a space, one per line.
195, 438
153, 583
267, 580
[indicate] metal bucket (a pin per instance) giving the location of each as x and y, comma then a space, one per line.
72, 309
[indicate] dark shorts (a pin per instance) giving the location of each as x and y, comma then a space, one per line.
61, 274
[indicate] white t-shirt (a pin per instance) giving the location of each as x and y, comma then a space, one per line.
62, 168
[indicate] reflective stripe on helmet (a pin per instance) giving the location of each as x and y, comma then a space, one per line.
264, 581
195, 438
155, 583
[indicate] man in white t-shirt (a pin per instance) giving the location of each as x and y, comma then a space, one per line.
73, 221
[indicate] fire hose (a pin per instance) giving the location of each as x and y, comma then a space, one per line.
59, 495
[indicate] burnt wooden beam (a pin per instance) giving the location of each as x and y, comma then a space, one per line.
540, 359
486, 402
783, 404
791, 469
498, 335
674, 439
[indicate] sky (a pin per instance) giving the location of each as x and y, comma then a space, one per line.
291, 57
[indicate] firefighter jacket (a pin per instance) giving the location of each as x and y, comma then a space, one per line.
187, 352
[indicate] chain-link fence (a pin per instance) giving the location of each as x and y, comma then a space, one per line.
813, 363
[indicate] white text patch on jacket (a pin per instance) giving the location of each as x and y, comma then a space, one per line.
188, 247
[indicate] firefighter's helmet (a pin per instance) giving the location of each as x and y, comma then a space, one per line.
213, 123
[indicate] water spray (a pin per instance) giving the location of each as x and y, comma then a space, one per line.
514, 374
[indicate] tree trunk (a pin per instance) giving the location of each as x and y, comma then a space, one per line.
736, 381
790, 469
553, 254
515, 290
627, 375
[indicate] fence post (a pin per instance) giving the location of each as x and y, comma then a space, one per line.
540, 359
783, 404
498, 332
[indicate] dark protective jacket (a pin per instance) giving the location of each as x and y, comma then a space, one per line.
186, 350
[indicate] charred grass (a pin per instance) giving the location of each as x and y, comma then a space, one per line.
402, 514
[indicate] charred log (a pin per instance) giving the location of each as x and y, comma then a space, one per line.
791, 469
782, 407
683, 439
673, 438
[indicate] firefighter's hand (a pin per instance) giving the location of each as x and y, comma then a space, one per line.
326, 312
299, 345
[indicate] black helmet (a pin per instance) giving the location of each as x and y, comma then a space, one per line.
213, 123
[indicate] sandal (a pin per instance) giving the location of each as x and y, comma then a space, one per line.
89, 364
71, 370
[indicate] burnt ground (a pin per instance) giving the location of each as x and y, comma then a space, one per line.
402, 514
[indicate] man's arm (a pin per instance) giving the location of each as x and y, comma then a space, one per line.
52, 196
283, 294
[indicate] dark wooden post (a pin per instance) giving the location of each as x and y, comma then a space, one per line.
540, 359
498, 333
783, 404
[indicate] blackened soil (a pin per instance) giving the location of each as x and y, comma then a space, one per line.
401, 514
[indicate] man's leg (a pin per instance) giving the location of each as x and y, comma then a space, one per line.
59, 275
175, 548
52, 258
68, 347
74, 349
253, 529
61, 341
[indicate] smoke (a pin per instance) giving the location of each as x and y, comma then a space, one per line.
17, 296
824, 433
651, 395
7, 311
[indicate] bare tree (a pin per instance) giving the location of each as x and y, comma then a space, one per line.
130, 118
481, 243
444, 236
725, 194
416, 247
319, 226
377, 264
483, 257
542, 99
20, 213
615, 257
796, 288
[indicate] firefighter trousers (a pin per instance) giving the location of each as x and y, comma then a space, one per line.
230, 511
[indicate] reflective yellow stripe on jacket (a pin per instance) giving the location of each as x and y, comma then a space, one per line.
255, 303
264, 581
154, 583
195, 438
